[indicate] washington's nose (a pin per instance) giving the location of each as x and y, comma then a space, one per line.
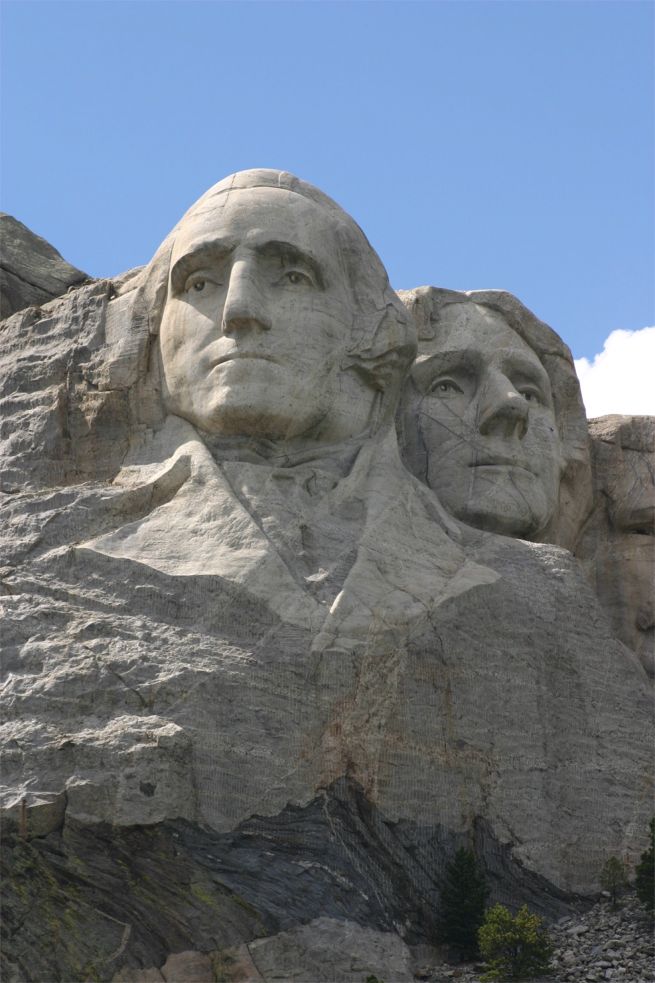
245, 308
503, 410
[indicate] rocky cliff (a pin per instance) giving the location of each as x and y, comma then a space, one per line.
32, 272
256, 674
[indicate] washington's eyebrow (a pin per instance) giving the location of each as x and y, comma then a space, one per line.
203, 253
291, 253
216, 250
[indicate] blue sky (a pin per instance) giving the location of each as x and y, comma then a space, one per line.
492, 144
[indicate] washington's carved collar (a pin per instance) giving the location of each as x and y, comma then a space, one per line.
332, 459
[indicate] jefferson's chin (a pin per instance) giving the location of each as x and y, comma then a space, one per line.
512, 502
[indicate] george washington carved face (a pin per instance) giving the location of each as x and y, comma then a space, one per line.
260, 316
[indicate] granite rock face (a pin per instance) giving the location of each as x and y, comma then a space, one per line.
256, 674
617, 547
32, 272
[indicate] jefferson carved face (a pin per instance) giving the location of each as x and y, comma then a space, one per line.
487, 423
258, 317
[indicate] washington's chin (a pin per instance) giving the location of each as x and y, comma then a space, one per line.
253, 410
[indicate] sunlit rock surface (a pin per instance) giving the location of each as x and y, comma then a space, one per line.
256, 674
31, 270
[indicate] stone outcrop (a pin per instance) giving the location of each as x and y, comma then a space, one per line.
258, 676
604, 943
617, 546
32, 272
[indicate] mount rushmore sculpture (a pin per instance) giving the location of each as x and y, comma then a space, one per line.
295, 604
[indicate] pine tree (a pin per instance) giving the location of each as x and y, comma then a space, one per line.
463, 898
614, 878
645, 873
514, 947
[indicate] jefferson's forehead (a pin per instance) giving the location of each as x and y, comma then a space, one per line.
473, 326
254, 216
479, 337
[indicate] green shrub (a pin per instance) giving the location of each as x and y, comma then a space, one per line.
645, 873
463, 899
514, 948
614, 878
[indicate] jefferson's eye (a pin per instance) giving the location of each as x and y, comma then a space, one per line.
198, 285
529, 394
445, 387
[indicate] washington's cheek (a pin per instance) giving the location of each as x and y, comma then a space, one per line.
315, 376
184, 338
308, 331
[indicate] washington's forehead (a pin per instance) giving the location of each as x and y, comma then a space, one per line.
255, 216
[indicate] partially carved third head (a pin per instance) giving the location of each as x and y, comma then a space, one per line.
492, 418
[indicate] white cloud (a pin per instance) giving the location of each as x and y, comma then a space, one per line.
621, 378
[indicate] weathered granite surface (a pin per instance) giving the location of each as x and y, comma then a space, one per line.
31, 270
617, 546
256, 674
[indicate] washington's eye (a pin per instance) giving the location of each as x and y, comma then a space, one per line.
196, 283
445, 387
297, 277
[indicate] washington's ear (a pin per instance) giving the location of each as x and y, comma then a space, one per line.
153, 290
385, 360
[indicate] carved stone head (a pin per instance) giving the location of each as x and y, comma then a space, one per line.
492, 417
275, 316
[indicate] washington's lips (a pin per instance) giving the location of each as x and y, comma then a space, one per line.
500, 461
235, 356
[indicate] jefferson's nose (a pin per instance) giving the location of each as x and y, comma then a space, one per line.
245, 308
502, 410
